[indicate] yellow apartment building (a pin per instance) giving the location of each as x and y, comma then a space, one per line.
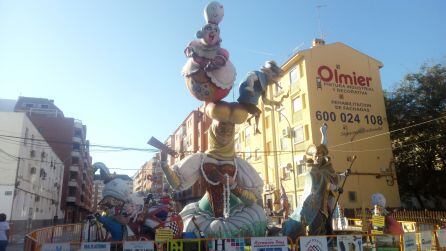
333, 84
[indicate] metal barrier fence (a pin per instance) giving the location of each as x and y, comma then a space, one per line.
75, 235
419, 216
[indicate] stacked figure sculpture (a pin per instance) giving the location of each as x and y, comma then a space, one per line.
232, 205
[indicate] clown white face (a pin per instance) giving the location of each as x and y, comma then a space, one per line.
210, 34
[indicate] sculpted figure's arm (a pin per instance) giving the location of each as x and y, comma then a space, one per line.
172, 177
246, 196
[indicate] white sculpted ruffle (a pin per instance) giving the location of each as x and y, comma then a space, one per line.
222, 77
242, 217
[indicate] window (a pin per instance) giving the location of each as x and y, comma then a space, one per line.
75, 160
294, 76
284, 143
29, 105
257, 155
352, 196
44, 106
8, 193
248, 153
298, 134
25, 141
237, 143
297, 104
278, 89
247, 133
286, 173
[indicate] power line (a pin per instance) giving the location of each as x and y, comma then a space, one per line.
389, 132
397, 147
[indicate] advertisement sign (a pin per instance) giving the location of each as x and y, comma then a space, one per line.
441, 235
56, 246
410, 242
387, 243
269, 244
426, 240
226, 245
163, 234
138, 246
312, 243
95, 246
349, 243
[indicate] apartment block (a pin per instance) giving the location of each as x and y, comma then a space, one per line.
67, 137
333, 84
32, 175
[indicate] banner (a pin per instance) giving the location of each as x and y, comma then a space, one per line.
426, 240
138, 246
269, 244
441, 235
410, 242
227, 245
95, 246
312, 243
349, 243
56, 246
387, 243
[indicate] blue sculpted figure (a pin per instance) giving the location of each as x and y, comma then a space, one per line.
254, 86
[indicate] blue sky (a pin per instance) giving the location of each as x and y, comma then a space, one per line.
116, 65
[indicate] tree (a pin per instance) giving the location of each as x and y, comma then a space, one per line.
420, 150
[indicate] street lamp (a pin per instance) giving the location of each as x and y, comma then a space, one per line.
293, 165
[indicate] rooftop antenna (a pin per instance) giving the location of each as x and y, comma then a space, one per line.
318, 9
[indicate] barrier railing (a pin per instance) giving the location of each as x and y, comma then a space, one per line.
419, 216
75, 235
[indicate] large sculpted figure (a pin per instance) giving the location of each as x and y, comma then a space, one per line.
208, 71
321, 183
231, 205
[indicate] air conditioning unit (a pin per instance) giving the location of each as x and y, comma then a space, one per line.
32, 153
286, 132
33, 170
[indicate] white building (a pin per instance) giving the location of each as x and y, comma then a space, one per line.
31, 174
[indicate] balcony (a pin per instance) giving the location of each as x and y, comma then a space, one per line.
75, 168
75, 153
73, 183
71, 199
77, 139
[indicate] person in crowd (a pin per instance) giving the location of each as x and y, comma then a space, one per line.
4, 232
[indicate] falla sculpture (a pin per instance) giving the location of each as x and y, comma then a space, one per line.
232, 204
322, 183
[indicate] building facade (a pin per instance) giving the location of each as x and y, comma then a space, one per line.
67, 137
190, 137
333, 84
143, 178
32, 175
